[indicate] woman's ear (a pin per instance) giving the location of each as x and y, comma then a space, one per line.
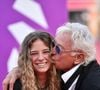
78, 58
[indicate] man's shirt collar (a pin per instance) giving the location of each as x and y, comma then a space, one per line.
69, 73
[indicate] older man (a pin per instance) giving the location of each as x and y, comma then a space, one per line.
74, 55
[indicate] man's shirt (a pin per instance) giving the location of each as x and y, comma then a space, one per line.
68, 74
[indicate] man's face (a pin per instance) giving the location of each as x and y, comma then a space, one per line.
64, 60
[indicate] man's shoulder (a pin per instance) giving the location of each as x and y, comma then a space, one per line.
89, 77
93, 65
93, 73
92, 68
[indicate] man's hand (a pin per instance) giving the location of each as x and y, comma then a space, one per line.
11, 78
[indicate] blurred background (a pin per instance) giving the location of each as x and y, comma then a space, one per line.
86, 12
20, 17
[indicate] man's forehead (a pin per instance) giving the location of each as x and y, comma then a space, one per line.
64, 41
63, 38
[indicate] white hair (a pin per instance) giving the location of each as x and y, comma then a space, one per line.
81, 38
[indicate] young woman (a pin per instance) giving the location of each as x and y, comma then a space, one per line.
37, 70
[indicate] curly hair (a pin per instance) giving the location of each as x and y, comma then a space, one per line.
28, 77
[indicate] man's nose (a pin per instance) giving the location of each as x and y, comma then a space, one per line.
53, 51
53, 54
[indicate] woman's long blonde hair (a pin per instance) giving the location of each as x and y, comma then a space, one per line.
28, 77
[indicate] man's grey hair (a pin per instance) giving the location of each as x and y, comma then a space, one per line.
81, 38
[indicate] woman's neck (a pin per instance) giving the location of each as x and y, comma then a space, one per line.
42, 78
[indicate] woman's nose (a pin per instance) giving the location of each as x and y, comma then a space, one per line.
41, 56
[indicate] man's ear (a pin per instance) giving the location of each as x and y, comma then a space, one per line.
78, 58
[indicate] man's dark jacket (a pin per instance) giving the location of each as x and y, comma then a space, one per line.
89, 78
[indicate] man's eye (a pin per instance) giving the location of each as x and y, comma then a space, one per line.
58, 50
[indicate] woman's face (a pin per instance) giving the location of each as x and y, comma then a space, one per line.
40, 55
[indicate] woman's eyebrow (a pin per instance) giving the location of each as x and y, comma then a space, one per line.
37, 50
